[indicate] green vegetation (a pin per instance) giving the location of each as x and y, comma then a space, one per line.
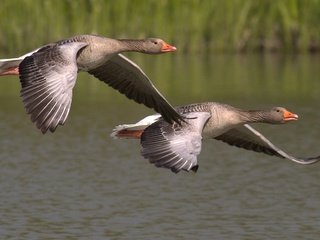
193, 25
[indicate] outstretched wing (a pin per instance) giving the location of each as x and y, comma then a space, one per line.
248, 138
174, 146
127, 77
47, 78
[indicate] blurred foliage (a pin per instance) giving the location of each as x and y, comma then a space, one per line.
193, 25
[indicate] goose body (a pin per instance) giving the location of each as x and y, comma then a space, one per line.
176, 146
48, 75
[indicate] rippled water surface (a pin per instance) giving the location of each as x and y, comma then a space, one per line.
78, 183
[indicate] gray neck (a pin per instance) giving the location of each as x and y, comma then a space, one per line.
131, 45
253, 116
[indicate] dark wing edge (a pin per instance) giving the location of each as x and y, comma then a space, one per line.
300, 160
135, 84
248, 138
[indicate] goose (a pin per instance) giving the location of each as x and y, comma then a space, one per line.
176, 147
48, 75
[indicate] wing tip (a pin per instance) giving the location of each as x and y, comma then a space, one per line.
195, 168
173, 117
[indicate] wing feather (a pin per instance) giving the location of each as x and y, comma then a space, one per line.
248, 138
47, 78
127, 77
174, 146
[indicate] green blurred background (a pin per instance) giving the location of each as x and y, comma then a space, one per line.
228, 50
195, 26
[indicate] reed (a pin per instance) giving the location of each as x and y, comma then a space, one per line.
195, 26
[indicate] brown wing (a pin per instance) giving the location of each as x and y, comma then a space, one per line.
125, 76
248, 138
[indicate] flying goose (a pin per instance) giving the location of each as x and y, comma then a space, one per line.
48, 75
177, 146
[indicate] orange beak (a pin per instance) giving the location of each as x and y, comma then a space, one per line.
168, 48
289, 116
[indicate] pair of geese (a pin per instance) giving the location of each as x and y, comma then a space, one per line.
171, 139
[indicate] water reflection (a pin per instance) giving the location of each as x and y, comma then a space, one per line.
80, 184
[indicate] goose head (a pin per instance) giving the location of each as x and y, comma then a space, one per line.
156, 46
281, 115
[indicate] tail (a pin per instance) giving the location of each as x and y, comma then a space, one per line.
10, 66
124, 133
134, 131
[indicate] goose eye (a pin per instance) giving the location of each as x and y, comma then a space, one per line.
155, 43
278, 110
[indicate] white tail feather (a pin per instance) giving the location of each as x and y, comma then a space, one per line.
141, 125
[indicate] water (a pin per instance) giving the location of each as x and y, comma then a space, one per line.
78, 183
